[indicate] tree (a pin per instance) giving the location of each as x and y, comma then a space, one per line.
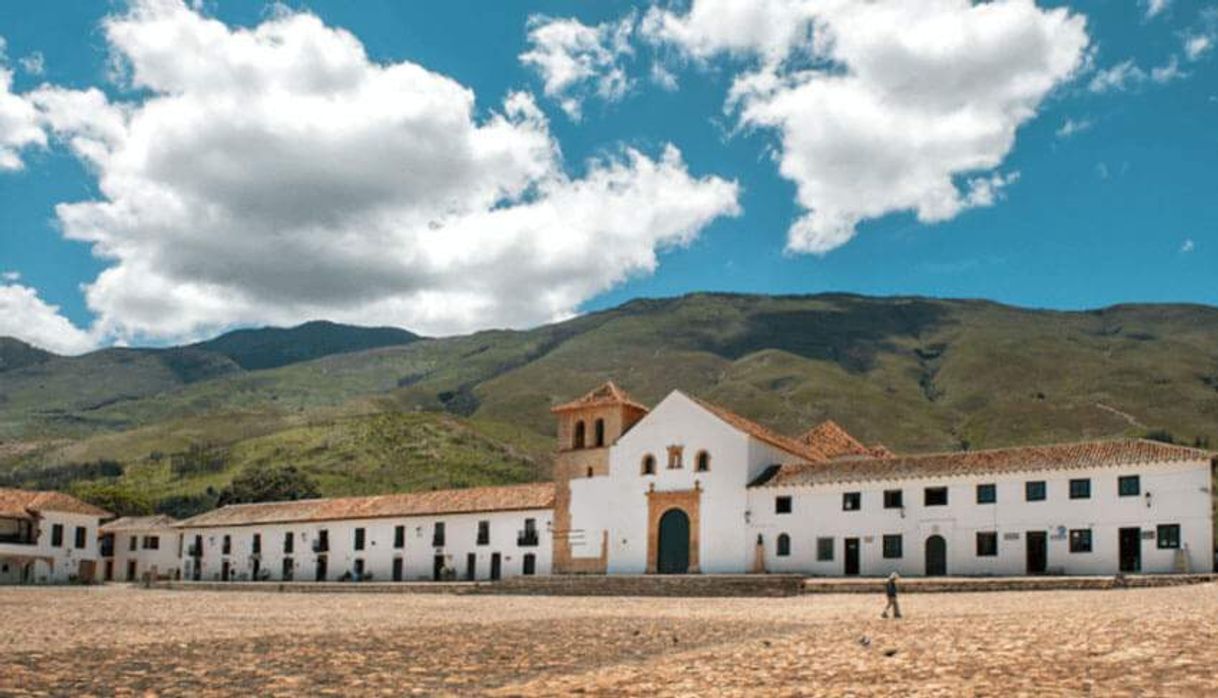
114, 498
1160, 435
275, 484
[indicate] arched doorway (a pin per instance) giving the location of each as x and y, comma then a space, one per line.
674, 543
936, 556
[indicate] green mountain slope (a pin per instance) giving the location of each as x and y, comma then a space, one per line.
271, 347
912, 373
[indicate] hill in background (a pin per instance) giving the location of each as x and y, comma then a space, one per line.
915, 374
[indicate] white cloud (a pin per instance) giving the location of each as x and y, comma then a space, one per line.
1071, 127
27, 317
33, 64
19, 126
1156, 7
576, 61
1127, 75
1167, 72
1196, 46
10, 276
883, 107
1188, 246
275, 174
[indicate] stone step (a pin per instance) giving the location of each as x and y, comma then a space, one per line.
698, 585
875, 585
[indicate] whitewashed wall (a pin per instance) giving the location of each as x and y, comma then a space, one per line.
618, 503
1179, 494
66, 557
461, 532
165, 560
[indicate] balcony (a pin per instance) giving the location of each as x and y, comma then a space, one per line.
437, 541
321, 546
527, 539
194, 550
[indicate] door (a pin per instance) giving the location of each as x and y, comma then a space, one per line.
1038, 551
852, 556
320, 574
496, 564
257, 573
530, 565
109, 570
673, 555
131, 571
936, 556
397, 569
437, 568
471, 566
86, 571
1131, 549
224, 570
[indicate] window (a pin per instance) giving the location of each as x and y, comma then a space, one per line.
1034, 490
649, 464
81, 536
782, 505
1080, 488
437, 534
675, 461
56, 535
987, 543
133, 543
359, 539
934, 497
1080, 540
528, 537
288, 543
987, 494
824, 549
228, 545
702, 462
154, 542
577, 441
322, 544
599, 432
784, 545
255, 548
484, 533
852, 501
399, 536
892, 547
1169, 536
893, 499
1129, 486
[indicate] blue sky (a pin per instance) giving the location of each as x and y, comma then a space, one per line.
1121, 209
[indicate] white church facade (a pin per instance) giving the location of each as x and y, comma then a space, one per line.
689, 487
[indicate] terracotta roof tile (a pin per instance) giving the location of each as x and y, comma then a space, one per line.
462, 501
22, 503
785, 443
1003, 460
831, 441
138, 523
605, 395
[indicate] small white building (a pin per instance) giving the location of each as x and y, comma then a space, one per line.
133, 546
47, 538
469, 534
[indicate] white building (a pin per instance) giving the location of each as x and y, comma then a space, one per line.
47, 537
134, 546
477, 533
689, 487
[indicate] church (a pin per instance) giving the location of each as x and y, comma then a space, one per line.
688, 487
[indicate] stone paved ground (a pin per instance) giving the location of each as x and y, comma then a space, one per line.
119, 641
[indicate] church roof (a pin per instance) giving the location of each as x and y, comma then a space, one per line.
138, 523
832, 441
462, 501
606, 395
764, 434
24, 504
1073, 456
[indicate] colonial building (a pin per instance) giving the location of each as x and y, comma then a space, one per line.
476, 533
47, 537
689, 487
134, 546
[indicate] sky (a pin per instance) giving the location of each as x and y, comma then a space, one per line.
171, 169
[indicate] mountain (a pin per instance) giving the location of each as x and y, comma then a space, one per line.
914, 374
272, 347
15, 353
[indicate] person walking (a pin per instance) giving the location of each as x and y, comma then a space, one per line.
890, 589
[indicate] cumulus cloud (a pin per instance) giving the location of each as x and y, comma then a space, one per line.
1072, 127
19, 124
275, 174
33, 63
576, 61
1156, 7
1196, 46
27, 317
883, 107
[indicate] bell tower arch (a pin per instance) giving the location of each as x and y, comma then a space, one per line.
587, 428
